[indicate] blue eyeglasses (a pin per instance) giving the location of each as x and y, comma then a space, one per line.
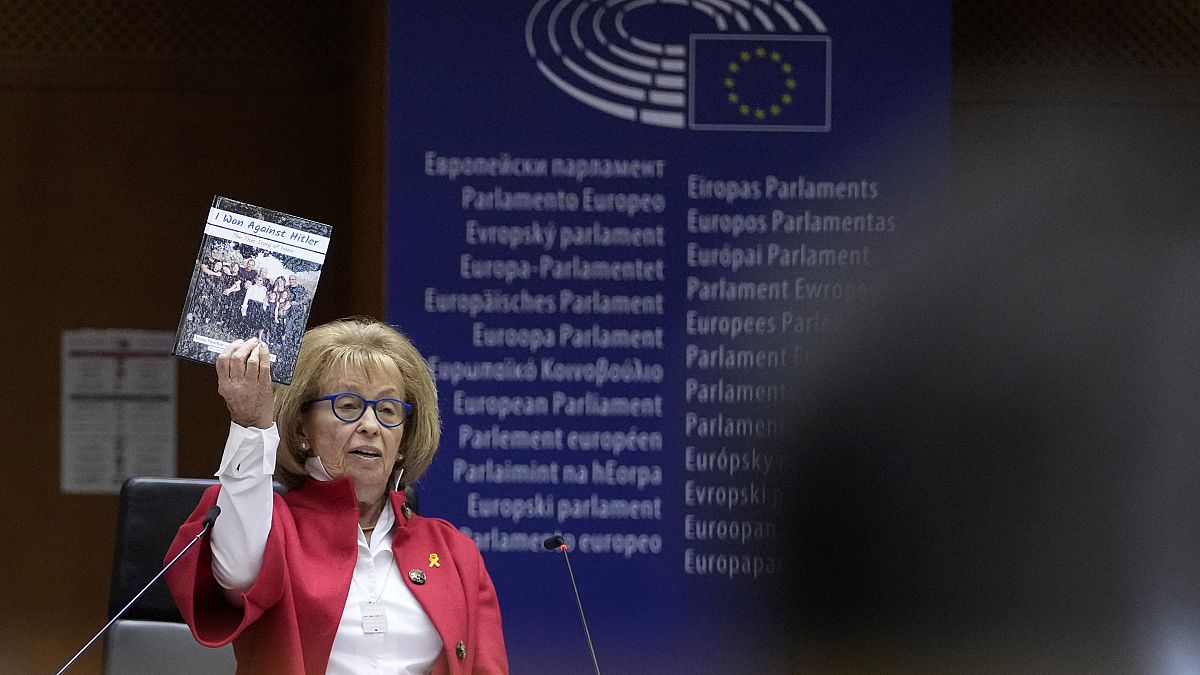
350, 407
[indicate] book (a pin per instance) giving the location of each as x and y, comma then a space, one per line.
255, 277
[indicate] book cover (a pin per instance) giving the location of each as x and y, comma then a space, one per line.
255, 276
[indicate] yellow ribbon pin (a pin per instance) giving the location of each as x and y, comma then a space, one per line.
433, 560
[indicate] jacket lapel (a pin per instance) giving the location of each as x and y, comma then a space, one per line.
325, 512
433, 576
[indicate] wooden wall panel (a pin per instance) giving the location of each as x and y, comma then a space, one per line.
110, 153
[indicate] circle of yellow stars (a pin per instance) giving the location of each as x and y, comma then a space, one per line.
775, 107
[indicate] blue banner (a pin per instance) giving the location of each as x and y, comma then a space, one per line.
620, 231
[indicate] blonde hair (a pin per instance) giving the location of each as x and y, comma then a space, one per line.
374, 348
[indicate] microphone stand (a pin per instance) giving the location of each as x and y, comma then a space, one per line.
208, 521
557, 542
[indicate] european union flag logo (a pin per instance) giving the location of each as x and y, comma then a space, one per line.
759, 82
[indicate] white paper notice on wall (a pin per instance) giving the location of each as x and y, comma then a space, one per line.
118, 408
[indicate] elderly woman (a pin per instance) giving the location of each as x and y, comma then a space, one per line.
338, 575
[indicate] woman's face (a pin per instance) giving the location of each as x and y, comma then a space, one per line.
364, 450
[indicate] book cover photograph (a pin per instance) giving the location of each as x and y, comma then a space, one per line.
255, 277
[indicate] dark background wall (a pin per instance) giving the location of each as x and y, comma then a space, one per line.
1031, 508
119, 120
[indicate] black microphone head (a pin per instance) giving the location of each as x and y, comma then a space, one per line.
211, 516
554, 542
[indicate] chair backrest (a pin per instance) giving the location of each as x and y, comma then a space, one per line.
151, 511
152, 633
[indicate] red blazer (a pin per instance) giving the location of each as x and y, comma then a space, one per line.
291, 614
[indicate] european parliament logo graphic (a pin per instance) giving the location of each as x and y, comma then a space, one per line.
749, 65
759, 82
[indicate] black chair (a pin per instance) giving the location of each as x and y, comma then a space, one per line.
152, 633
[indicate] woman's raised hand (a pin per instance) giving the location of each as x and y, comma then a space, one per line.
244, 381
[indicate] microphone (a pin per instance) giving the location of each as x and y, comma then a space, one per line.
209, 518
556, 542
